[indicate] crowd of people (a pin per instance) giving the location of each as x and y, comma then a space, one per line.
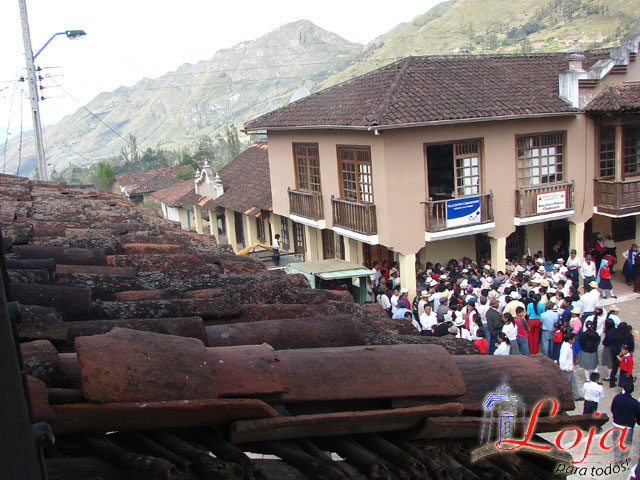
536, 304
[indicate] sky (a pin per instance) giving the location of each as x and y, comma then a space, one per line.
129, 40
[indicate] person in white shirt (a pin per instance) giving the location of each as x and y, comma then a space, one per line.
593, 393
462, 332
590, 300
573, 264
588, 270
424, 300
504, 346
428, 318
566, 363
394, 298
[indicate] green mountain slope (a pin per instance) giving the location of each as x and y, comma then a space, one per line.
499, 26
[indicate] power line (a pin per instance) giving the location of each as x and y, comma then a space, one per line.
6, 139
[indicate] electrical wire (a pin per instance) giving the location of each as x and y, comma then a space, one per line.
21, 130
6, 139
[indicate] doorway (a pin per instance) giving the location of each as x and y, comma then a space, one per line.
328, 244
237, 218
554, 231
298, 238
516, 243
440, 171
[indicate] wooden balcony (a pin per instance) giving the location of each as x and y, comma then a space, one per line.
617, 197
544, 199
436, 213
305, 204
357, 217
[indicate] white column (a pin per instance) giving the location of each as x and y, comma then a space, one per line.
197, 216
231, 229
576, 238
408, 273
498, 253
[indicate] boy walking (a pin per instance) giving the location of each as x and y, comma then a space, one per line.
593, 393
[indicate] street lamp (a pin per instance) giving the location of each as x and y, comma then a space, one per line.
33, 87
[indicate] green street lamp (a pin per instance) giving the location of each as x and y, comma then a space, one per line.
33, 87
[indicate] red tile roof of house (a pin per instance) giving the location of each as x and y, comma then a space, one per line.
182, 194
421, 90
246, 182
138, 183
617, 98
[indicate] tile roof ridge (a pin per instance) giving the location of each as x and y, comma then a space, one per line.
393, 89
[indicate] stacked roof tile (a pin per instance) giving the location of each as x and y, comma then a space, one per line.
156, 353
420, 90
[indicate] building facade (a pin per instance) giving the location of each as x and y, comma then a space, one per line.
433, 158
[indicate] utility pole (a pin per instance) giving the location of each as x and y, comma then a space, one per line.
34, 96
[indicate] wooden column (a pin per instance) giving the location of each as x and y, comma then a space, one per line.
619, 154
197, 215
213, 224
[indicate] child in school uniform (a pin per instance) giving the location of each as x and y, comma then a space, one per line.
504, 345
626, 366
557, 340
593, 393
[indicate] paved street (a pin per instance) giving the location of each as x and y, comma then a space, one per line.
629, 304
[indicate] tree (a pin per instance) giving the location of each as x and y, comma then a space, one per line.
186, 174
205, 150
525, 46
105, 176
233, 144
129, 152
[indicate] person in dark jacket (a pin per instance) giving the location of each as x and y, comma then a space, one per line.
589, 341
494, 323
609, 342
625, 411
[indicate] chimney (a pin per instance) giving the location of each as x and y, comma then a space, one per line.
218, 185
575, 61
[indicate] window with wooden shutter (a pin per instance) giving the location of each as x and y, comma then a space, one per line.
540, 159
607, 151
355, 174
631, 152
307, 163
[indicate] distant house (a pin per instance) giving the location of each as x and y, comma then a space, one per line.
137, 185
234, 203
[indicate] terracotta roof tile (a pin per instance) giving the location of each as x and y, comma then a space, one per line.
622, 97
246, 182
434, 88
138, 183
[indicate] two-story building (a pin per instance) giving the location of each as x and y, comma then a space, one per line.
438, 157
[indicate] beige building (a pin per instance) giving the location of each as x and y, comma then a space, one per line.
437, 157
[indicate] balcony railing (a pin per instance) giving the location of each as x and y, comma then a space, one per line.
358, 217
306, 204
543, 199
436, 213
617, 197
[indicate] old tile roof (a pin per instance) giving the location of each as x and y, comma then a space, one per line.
247, 188
137, 183
141, 343
425, 89
182, 194
624, 97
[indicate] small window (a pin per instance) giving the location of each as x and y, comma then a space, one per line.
284, 233
623, 228
354, 165
307, 167
540, 159
631, 140
607, 150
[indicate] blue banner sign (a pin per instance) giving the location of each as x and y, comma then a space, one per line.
463, 211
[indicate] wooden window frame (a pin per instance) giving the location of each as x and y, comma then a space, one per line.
625, 149
455, 143
260, 229
359, 192
312, 187
599, 168
519, 168
460, 154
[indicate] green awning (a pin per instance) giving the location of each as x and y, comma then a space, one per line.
356, 272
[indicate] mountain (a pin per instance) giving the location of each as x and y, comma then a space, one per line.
499, 26
174, 110
256, 76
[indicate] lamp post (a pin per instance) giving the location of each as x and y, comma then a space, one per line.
33, 86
